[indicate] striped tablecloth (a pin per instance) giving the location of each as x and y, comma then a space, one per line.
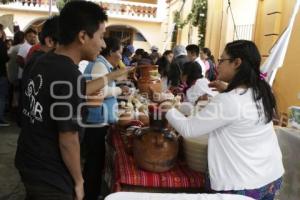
123, 171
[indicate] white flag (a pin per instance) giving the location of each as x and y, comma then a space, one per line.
278, 51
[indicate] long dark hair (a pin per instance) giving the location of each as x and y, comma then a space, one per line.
19, 38
113, 44
193, 72
163, 66
208, 53
248, 74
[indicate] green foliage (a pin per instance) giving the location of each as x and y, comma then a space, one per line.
61, 3
5, 1
197, 18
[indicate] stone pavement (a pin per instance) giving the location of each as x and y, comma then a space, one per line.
11, 187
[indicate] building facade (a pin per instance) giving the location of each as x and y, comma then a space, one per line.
144, 23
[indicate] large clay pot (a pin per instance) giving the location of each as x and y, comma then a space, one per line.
146, 83
155, 148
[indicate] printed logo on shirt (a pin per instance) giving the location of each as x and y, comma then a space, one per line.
35, 109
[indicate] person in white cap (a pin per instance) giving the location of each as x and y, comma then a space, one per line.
154, 49
176, 67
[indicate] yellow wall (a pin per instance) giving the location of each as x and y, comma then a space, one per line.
287, 82
220, 27
215, 27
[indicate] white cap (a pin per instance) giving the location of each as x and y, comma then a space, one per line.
179, 50
154, 48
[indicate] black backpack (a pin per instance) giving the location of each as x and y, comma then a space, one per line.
211, 73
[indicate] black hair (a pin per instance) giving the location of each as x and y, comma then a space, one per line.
18, 38
112, 45
167, 52
163, 66
193, 49
154, 56
127, 52
146, 59
208, 53
8, 40
50, 29
193, 72
30, 30
248, 74
77, 16
139, 52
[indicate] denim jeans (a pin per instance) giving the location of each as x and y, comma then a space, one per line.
3, 95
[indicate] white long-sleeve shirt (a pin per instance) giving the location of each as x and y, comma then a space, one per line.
203, 67
243, 152
198, 89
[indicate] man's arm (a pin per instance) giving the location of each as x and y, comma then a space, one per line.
70, 150
99, 83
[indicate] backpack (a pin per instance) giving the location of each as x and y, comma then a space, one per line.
211, 73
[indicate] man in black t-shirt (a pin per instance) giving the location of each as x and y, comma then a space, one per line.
3, 78
48, 38
48, 153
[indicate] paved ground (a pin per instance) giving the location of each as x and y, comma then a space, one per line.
11, 188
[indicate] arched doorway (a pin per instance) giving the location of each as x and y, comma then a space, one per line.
36, 24
128, 35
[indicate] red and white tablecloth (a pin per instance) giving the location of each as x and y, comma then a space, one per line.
122, 170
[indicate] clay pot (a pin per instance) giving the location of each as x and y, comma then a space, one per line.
154, 150
157, 114
143, 118
146, 83
125, 119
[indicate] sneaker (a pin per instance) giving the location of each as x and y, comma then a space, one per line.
4, 123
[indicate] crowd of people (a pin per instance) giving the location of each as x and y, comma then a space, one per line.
41, 83
25, 47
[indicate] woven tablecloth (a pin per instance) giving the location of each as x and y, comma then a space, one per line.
125, 171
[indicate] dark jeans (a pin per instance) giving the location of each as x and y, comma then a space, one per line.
3, 95
94, 154
45, 192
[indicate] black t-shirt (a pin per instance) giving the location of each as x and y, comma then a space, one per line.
51, 101
3, 59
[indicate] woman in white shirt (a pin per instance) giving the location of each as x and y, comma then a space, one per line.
197, 84
243, 152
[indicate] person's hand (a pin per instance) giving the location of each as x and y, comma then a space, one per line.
79, 191
96, 99
202, 98
120, 73
218, 85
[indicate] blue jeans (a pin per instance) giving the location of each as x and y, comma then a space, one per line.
3, 95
